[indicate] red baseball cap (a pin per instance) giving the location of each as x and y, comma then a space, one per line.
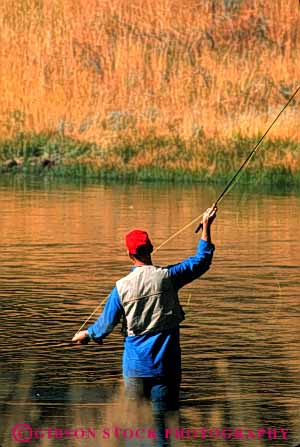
138, 239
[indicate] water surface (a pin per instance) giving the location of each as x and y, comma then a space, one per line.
61, 251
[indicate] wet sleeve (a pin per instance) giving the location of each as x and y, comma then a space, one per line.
109, 318
191, 268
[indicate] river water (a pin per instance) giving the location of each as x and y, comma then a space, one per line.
61, 250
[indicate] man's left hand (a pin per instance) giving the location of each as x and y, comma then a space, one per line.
81, 338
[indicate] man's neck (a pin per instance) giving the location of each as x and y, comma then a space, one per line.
141, 262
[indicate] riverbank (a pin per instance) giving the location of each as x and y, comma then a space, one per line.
216, 68
152, 159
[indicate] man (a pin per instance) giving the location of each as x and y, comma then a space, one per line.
148, 301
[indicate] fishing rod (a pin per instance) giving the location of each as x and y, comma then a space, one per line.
221, 196
254, 150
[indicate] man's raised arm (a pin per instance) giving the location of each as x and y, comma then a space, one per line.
191, 268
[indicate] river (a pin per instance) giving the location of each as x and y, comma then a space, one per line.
62, 249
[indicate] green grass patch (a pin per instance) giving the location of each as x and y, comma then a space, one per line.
152, 159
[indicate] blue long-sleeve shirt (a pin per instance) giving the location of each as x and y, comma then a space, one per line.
153, 354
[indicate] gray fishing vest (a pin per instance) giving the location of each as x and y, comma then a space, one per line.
149, 300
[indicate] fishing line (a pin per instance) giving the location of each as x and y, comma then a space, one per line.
92, 314
227, 188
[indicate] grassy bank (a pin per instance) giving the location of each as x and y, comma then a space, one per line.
95, 70
152, 159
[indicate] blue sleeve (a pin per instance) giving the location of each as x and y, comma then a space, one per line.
109, 318
192, 267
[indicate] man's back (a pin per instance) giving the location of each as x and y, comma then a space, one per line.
149, 300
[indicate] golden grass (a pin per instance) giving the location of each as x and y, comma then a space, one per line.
98, 69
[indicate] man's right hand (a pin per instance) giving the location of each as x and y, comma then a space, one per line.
209, 216
207, 219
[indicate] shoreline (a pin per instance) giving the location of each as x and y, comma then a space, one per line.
152, 159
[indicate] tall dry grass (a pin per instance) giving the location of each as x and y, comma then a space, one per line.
98, 69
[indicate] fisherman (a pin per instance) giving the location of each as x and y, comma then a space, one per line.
147, 298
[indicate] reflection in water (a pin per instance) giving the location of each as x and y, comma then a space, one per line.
62, 250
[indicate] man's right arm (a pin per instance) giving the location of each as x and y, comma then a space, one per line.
208, 218
195, 266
